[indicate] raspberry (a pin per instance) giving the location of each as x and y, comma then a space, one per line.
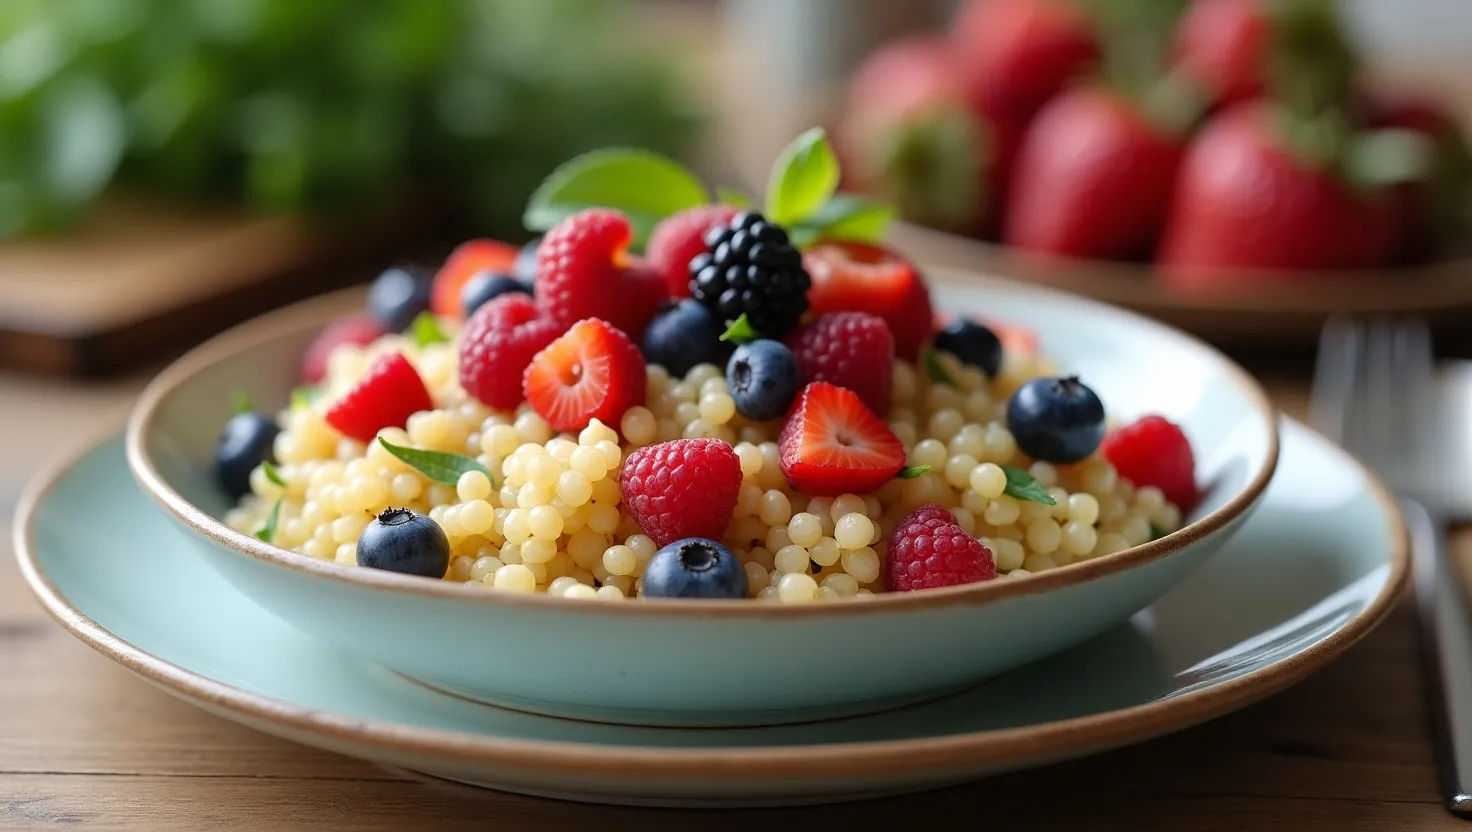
354, 329
681, 238
1153, 451
685, 488
496, 346
385, 397
584, 271
592, 372
929, 549
849, 349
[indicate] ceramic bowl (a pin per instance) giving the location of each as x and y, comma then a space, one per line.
681, 662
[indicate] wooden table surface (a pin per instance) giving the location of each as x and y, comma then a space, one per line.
84, 744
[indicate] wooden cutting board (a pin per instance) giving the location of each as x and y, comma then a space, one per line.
140, 278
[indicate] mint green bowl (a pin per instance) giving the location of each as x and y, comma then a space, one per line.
721, 662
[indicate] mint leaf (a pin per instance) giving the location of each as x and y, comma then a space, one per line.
1157, 531
845, 217
272, 475
426, 329
741, 331
936, 370
645, 186
734, 198
437, 465
268, 531
805, 176
302, 397
910, 472
1021, 486
241, 402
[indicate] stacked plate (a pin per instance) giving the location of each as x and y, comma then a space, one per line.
1294, 554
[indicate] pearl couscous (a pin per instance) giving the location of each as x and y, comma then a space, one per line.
549, 519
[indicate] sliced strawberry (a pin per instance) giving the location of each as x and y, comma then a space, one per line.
466, 261
385, 397
857, 277
592, 372
354, 329
833, 444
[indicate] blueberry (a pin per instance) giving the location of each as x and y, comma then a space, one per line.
694, 568
397, 296
974, 344
485, 287
682, 335
245, 442
1056, 419
399, 540
764, 379
526, 263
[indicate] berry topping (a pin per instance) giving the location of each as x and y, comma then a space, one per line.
682, 335
385, 397
354, 329
680, 238
849, 349
245, 443
1153, 451
763, 378
750, 268
833, 444
584, 271
856, 277
973, 343
496, 346
684, 488
592, 372
398, 540
397, 296
466, 261
486, 287
929, 549
1056, 419
694, 568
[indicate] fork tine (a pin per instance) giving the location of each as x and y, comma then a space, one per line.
1334, 376
1380, 412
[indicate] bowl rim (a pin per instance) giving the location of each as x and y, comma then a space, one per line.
314, 313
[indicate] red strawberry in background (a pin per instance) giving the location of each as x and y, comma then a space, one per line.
1014, 55
910, 137
584, 270
857, 277
1434, 212
1222, 44
466, 261
1094, 177
678, 239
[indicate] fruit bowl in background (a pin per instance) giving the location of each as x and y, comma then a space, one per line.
722, 662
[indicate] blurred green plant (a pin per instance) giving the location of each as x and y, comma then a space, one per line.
332, 107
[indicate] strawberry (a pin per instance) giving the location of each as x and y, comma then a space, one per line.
354, 329
1014, 55
385, 397
1093, 178
1154, 451
833, 444
857, 277
1434, 212
678, 239
1222, 45
853, 350
584, 270
592, 372
909, 135
466, 261
1246, 201
498, 343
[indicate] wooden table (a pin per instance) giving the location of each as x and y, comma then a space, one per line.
85, 744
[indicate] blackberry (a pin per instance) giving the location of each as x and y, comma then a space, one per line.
750, 268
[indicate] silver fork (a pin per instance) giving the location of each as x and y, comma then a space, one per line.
1374, 393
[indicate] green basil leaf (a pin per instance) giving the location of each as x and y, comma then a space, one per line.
1021, 486
241, 402
845, 217
268, 532
303, 397
910, 472
437, 465
741, 331
805, 176
936, 370
645, 186
272, 475
426, 328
